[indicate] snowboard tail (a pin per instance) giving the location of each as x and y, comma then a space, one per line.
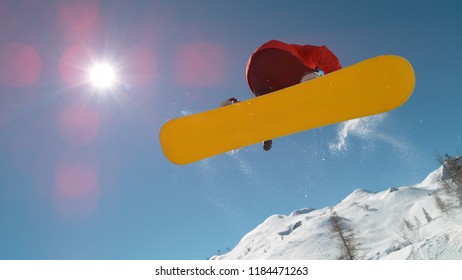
370, 87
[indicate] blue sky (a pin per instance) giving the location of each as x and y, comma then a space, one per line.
82, 174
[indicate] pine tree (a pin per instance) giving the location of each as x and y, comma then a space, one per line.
349, 243
451, 180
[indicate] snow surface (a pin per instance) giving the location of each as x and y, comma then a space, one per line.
398, 223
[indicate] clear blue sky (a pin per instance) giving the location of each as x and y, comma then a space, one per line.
82, 174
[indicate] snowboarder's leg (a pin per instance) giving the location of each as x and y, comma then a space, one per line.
267, 145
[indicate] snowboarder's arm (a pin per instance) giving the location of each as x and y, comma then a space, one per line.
319, 57
326, 60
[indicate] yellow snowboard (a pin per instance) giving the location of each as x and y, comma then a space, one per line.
373, 86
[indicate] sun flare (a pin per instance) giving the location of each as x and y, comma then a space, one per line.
103, 76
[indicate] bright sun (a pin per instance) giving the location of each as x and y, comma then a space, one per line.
103, 76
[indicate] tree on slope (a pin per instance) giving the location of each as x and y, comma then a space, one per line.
451, 180
349, 243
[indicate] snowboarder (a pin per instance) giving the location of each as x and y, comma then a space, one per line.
276, 65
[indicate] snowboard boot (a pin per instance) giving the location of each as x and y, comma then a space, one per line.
229, 101
267, 145
310, 76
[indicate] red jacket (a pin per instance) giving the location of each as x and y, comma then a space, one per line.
276, 65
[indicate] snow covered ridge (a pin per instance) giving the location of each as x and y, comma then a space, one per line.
422, 222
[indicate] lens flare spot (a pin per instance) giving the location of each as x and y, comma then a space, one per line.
73, 65
76, 179
199, 64
79, 124
79, 18
141, 65
20, 65
76, 192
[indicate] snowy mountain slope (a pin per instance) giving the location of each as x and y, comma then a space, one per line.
398, 223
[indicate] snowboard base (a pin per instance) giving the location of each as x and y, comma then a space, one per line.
370, 87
